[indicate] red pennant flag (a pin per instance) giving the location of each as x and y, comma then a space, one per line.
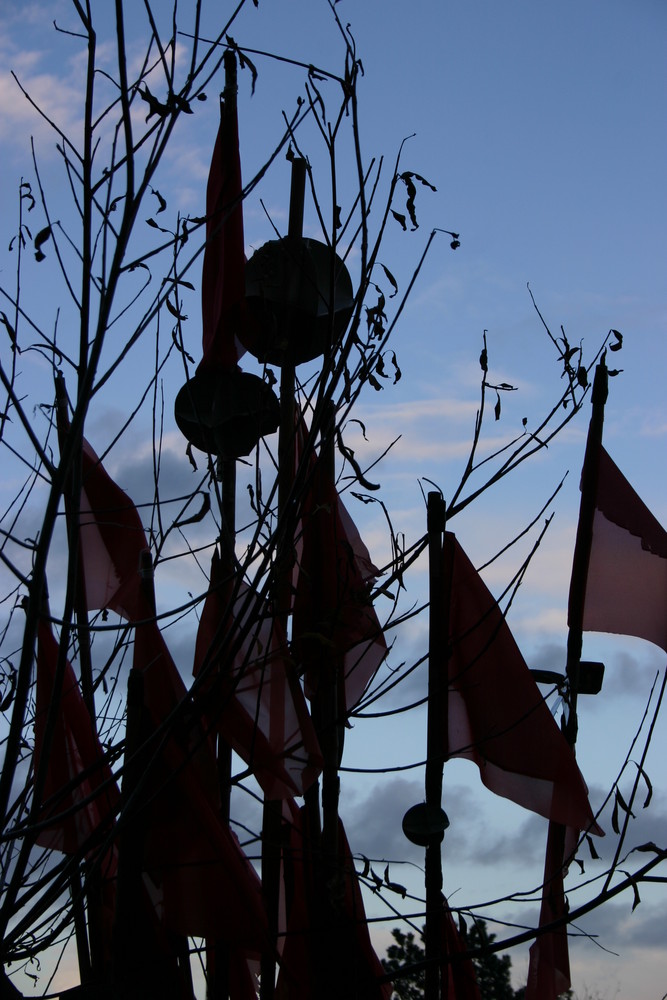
333, 613
626, 588
79, 791
459, 972
253, 696
223, 275
111, 538
345, 935
497, 716
203, 883
549, 969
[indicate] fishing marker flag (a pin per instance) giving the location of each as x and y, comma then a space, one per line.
79, 791
203, 884
252, 695
111, 538
223, 274
497, 716
626, 585
549, 969
334, 574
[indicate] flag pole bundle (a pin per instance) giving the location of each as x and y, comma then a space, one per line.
618, 585
484, 706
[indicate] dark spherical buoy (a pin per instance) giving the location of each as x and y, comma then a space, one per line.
288, 292
226, 412
424, 824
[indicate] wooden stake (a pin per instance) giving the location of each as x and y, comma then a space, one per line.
272, 812
582, 548
436, 738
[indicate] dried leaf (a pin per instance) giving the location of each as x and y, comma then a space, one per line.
348, 454
391, 279
649, 786
623, 804
180, 104
199, 516
9, 694
400, 219
398, 888
496, 409
41, 238
614, 818
649, 846
244, 61
179, 346
377, 880
161, 201
619, 341
354, 420
174, 311
407, 178
153, 224
591, 847
10, 329
27, 194
484, 360
155, 107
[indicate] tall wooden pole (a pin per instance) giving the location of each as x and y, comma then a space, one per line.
272, 812
555, 860
88, 932
582, 548
218, 974
436, 738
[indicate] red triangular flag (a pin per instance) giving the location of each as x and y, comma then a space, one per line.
549, 969
257, 705
111, 538
79, 786
333, 613
626, 588
203, 885
345, 934
223, 275
497, 716
459, 972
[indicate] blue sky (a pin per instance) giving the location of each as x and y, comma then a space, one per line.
542, 127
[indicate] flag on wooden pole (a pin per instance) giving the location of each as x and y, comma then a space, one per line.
626, 583
111, 538
549, 969
252, 695
223, 274
79, 792
458, 972
333, 613
497, 716
202, 882
356, 972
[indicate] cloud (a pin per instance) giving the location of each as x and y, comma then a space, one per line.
57, 97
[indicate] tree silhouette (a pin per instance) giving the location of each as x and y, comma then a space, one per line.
491, 970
